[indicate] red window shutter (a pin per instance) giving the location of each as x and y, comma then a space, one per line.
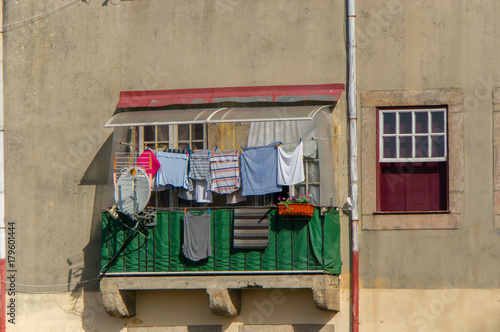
418, 188
413, 186
392, 187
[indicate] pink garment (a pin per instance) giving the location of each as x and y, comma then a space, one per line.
147, 160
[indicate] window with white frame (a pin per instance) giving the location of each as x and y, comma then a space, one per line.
311, 183
185, 137
412, 164
409, 135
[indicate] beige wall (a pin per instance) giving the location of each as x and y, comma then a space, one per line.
413, 47
63, 74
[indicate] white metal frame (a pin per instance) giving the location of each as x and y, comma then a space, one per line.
413, 134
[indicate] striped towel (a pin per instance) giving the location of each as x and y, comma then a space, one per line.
251, 228
225, 172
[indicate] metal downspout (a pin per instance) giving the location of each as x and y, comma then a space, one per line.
353, 162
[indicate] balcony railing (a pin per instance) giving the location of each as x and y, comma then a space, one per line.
296, 245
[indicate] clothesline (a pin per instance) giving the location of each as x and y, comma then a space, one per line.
260, 170
145, 144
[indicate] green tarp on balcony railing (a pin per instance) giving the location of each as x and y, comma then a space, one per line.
294, 244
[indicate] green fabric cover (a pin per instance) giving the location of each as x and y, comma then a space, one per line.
294, 244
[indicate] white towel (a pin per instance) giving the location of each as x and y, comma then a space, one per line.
290, 165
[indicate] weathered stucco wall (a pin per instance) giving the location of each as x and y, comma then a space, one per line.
416, 46
63, 74
424, 49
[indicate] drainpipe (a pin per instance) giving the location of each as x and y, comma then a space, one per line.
353, 162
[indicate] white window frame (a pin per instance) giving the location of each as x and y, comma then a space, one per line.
294, 190
173, 137
413, 134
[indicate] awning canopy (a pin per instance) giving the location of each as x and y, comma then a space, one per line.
327, 93
281, 104
214, 115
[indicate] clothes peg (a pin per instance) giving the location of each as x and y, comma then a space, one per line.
208, 211
185, 210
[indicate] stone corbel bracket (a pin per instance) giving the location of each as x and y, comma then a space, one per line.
224, 292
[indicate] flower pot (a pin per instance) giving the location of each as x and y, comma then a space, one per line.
296, 210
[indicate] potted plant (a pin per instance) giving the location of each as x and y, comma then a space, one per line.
296, 206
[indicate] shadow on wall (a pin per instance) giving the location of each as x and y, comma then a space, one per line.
96, 175
84, 267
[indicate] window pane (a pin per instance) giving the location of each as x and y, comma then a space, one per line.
184, 146
149, 134
421, 146
389, 123
389, 149
437, 122
438, 146
315, 194
405, 147
183, 132
301, 189
313, 171
162, 145
162, 132
198, 145
421, 122
197, 131
405, 123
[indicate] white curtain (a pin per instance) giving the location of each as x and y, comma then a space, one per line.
264, 133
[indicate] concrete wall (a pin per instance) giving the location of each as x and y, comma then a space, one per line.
422, 280
63, 74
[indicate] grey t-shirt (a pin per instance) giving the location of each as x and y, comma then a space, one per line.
197, 236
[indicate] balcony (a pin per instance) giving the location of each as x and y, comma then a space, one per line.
300, 253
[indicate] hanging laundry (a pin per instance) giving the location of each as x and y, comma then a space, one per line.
202, 193
187, 194
259, 170
199, 192
148, 161
197, 244
199, 166
173, 169
235, 197
156, 187
290, 164
225, 172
